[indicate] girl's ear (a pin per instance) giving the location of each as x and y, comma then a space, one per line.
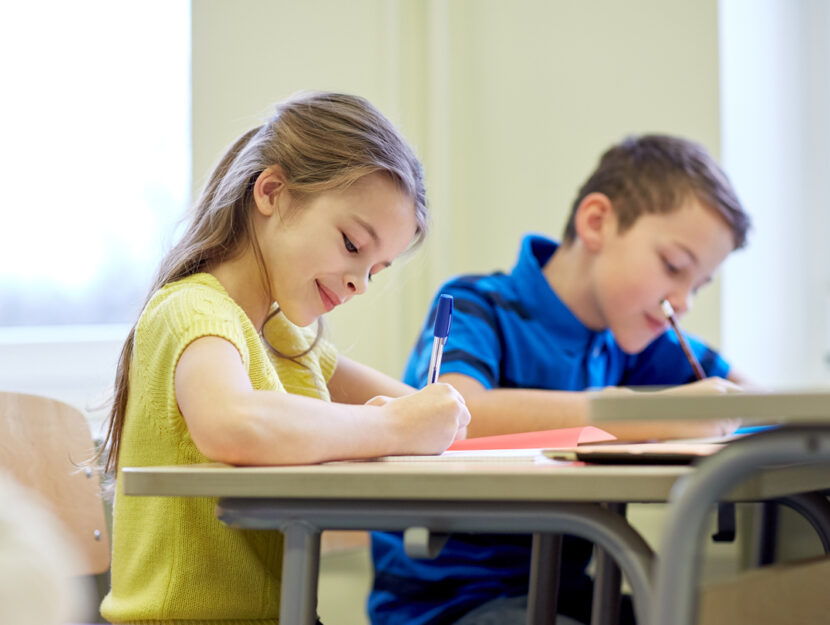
594, 219
268, 187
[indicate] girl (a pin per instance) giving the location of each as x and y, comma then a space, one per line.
227, 364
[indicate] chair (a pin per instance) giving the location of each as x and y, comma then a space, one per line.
43, 445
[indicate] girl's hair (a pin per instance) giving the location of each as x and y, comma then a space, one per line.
323, 142
655, 174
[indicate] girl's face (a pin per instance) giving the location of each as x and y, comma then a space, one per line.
324, 251
663, 256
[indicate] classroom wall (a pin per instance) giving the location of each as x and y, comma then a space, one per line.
776, 144
509, 106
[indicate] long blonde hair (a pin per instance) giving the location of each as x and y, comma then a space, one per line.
322, 142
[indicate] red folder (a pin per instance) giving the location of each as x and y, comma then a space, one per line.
544, 439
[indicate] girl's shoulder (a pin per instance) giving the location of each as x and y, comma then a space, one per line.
198, 298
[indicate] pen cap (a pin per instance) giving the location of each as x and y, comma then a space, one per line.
443, 316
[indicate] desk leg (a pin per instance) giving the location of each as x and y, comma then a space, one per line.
674, 599
767, 521
816, 509
545, 559
605, 607
300, 569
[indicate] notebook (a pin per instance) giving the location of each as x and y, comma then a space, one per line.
637, 453
521, 447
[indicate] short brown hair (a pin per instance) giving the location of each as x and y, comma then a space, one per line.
654, 174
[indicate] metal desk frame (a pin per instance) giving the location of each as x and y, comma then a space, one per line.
678, 562
446, 497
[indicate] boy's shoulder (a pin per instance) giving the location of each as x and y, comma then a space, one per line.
479, 282
496, 289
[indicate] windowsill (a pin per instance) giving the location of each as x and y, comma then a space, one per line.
72, 363
38, 335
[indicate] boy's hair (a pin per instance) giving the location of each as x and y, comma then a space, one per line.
655, 174
323, 142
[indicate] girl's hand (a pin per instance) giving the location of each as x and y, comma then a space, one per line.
428, 420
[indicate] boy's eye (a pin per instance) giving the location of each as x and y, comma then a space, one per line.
350, 247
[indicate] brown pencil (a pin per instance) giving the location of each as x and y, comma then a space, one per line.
669, 312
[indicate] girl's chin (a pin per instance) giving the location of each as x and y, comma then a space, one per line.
301, 319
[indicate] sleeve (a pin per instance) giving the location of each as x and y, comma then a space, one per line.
664, 363
192, 314
174, 323
473, 347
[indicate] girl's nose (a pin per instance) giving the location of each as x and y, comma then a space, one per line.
357, 285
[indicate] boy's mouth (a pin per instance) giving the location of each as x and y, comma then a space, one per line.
656, 325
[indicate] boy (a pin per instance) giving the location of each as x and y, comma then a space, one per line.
654, 221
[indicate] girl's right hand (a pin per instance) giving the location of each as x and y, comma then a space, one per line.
427, 421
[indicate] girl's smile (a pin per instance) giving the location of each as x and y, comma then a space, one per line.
330, 300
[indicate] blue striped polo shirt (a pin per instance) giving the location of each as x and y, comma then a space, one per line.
512, 331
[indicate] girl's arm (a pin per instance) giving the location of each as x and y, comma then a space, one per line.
354, 383
231, 422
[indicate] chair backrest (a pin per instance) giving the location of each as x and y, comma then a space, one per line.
44, 444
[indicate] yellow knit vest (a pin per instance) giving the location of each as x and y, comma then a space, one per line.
172, 560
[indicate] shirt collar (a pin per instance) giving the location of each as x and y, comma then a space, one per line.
542, 302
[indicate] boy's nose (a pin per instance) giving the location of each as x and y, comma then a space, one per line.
682, 302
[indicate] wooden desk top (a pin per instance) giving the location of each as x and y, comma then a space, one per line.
459, 481
808, 407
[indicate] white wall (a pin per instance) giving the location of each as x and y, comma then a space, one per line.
508, 103
775, 78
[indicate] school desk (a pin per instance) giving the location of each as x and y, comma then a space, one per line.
802, 440
425, 498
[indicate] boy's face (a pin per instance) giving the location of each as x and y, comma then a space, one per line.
664, 256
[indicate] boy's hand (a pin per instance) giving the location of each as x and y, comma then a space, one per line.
707, 386
679, 429
429, 420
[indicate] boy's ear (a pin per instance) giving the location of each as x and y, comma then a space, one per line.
594, 216
268, 187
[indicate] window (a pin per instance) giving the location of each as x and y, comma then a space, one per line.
95, 175
96, 155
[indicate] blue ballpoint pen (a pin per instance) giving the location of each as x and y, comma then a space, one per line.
440, 331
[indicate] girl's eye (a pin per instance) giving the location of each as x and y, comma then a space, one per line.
350, 247
671, 269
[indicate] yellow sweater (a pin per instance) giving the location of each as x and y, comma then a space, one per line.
172, 560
